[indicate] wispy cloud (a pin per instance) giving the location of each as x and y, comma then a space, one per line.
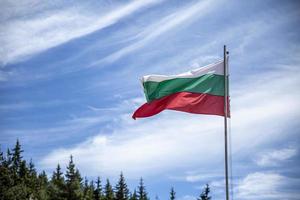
100, 109
187, 197
274, 157
55, 132
24, 37
30, 105
168, 23
269, 185
198, 176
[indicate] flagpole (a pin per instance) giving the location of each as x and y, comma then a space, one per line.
225, 121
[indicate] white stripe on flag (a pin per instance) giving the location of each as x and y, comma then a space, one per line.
215, 68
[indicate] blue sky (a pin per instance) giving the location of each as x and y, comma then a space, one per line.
69, 74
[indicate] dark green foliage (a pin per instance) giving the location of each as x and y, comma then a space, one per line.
13, 175
88, 190
32, 181
1, 156
57, 185
73, 182
16, 161
42, 186
15, 192
23, 171
205, 193
122, 192
172, 194
133, 196
108, 191
6, 180
8, 158
19, 180
98, 190
142, 194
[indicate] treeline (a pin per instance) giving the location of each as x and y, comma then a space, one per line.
20, 180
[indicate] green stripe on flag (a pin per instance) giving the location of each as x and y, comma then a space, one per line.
209, 84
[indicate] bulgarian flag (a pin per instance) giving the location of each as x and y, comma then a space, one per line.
200, 91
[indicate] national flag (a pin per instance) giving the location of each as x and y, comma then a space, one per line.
200, 91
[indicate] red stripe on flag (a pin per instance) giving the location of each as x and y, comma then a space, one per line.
197, 103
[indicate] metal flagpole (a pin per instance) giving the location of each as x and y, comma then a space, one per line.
225, 121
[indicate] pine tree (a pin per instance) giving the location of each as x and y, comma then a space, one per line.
1, 157
42, 188
88, 190
142, 194
32, 179
57, 175
133, 196
14, 192
16, 161
23, 172
73, 182
8, 160
57, 185
16, 155
98, 190
32, 171
16, 176
108, 191
43, 179
122, 192
205, 193
91, 190
6, 181
172, 194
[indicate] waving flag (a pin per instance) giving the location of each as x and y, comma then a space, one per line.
200, 91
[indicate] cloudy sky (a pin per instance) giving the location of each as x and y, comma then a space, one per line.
69, 83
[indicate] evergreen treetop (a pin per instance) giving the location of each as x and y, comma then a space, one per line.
122, 192
172, 194
205, 193
98, 190
142, 194
73, 182
133, 196
108, 191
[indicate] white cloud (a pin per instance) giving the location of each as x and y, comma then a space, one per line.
24, 36
194, 177
271, 186
187, 197
274, 157
157, 145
